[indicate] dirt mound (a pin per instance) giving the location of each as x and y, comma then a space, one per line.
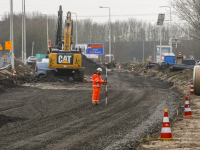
90, 66
24, 74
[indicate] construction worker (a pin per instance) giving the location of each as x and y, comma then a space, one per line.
97, 81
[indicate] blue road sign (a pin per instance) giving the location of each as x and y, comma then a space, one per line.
95, 48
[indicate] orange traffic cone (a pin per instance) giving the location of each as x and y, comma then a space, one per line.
132, 69
85, 78
15, 71
166, 130
188, 112
179, 54
191, 88
91, 79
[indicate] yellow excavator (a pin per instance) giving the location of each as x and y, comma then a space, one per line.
66, 61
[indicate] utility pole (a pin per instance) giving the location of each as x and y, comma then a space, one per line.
11, 34
22, 56
24, 34
143, 51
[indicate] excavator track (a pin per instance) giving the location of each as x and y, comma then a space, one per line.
79, 76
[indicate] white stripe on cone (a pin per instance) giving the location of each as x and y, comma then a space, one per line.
187, 109
166, 130
165, 119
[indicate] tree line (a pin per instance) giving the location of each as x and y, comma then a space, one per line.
127, 37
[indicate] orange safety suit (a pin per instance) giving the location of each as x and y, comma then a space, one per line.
97, 81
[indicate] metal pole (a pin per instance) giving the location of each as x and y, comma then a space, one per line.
47, 34
109, 36
171, 48
22, 32
76, 29
11, 33
154, 44
32, 47
170, 27
109, 33
160, 44
106, 88
143, 51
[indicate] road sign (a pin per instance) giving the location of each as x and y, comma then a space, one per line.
147, 59
162, 57
95, 48
8, 45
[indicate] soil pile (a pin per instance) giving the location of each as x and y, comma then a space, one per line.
24, 74
90, 66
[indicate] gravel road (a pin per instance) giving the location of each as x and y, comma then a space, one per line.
61, 115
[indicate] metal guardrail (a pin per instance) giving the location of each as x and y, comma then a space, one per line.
5, 67
4, 64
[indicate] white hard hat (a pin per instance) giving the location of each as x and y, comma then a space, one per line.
99, 69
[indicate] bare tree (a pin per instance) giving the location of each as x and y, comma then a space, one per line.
188, 12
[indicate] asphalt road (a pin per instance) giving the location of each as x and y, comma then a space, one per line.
61, 115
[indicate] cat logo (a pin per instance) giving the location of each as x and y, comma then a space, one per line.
65, 59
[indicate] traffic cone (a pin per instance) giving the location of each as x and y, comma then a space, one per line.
119, 67
15, 71
132, 69
179, 54
191, 88
188, 112
91, 78
166, 130
85, 78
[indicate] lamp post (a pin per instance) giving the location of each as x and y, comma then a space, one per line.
170, 26
11, 34
160, 21
109, 33
24, 34
76, 28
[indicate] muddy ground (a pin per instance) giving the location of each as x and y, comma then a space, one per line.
60, 115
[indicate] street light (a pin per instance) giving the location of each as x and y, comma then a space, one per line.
109, 33
11, 34
170, 26
76, 28
160, 21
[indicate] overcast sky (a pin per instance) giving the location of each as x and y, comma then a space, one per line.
120, 9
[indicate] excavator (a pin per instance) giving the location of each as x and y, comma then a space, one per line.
65, 60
